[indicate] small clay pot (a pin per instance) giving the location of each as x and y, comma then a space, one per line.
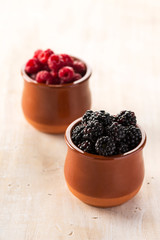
103, 181
51, 108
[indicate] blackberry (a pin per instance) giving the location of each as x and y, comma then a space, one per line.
93, 130
105, 146
105, 134
117, 131
87, 116
86, 146
77, 134
102, 117
113, 118
126, 118
122, 147
133, 136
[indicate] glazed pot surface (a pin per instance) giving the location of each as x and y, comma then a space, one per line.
51, 108
103, 181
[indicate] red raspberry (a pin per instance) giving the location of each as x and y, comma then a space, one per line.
66, 74
54, 74
77, 76
36, 53
45, 67
67, 60
44, 55
55, 78
53, 81
32, 66
79, 67
43, 76
55, 62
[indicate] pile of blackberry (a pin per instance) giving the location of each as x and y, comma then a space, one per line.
104, 134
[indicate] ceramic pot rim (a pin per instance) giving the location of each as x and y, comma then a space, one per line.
99, 157
73, 84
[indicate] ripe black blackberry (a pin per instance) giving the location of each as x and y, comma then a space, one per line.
102, 117
133, 136
77, 134
126, 118
116, 131
104, 134
87, 116
93, 130
86, 146
105, 146
122, 147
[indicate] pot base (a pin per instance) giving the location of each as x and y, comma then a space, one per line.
47, 128
103, 202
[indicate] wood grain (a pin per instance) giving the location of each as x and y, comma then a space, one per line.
120, 40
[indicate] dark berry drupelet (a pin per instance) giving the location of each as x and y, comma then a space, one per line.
126, 118
77, 134
93, 130
105, 146
116, 131
87, 146
133, 136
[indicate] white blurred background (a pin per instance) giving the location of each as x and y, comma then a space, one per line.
120, 40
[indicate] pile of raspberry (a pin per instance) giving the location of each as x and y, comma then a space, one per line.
50, 68
104, 134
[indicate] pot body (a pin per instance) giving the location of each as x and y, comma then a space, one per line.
52, 108
104, 181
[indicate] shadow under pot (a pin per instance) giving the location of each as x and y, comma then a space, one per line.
103, 181
51, 108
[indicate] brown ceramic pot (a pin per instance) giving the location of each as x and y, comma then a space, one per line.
51, 108
103, 181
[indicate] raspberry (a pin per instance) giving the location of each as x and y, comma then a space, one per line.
77, 76
43, 77
45, 67
86, 146
105, 146
36, 53
54, 74
79, 67
66, 74
55, 62
126, 118
44, 55
32, 66
66, 59
55, 79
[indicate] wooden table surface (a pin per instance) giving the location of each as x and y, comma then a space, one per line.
121, 41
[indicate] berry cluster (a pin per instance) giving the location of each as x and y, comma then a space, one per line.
50, 68
103, 134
